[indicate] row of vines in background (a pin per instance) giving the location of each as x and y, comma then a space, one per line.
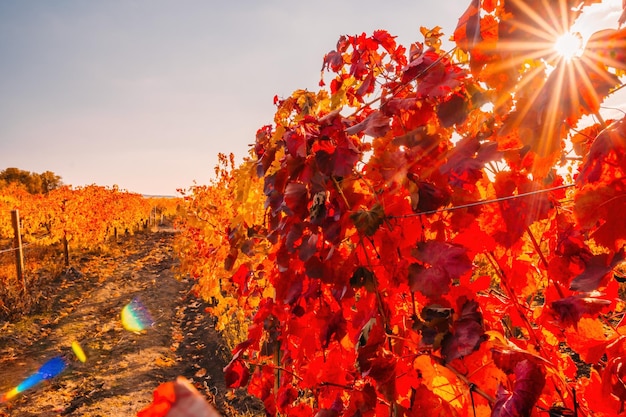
416, 240
229, 209
63, 223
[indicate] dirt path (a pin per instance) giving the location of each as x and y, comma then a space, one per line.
123, 368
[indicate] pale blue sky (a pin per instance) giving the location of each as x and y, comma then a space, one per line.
145, 93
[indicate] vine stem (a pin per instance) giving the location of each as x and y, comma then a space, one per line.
277, 370
340, 191
379, 298
472, 388
600, 119
543, 259
333, 384
381, 309
503, 279
272, 366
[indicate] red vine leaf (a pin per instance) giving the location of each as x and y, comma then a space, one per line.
286, 396
597, 272
385, 40
261, 385
376, 361
440, 263
241, 279
521, 212
163, 398
362, 401
236, 373
571, 309
441, 78
588, 340
324, 369
427, 197
467, 160
427, 403
598, 395
453, 110
599, 208
467, 32
598, 204
336, 157
529, 382
614, 378
296, 199
584, 138
308, 247
606, 158
363, 277
368, 221
467, 332
508, 357
334, 59
376, 124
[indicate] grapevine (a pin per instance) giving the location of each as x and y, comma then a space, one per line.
424, 248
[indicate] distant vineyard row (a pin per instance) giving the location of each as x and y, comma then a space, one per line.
85, 216
59, 226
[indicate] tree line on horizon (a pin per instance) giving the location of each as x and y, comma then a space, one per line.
33, 182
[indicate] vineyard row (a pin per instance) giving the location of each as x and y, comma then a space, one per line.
80, 218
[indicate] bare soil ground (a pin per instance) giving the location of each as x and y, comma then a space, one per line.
122, 368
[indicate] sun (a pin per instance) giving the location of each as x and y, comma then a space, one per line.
569, 45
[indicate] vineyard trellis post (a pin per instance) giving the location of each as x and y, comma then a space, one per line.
66, 250
19, 250
66, 244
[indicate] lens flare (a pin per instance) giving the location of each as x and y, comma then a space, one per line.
47, 371
135, 316
546, 82
79, 352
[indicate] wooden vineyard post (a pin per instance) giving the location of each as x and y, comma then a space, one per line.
19, 251
66, 250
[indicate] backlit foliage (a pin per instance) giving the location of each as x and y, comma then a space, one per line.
85, 216
82, 219
422, 249
221, 236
